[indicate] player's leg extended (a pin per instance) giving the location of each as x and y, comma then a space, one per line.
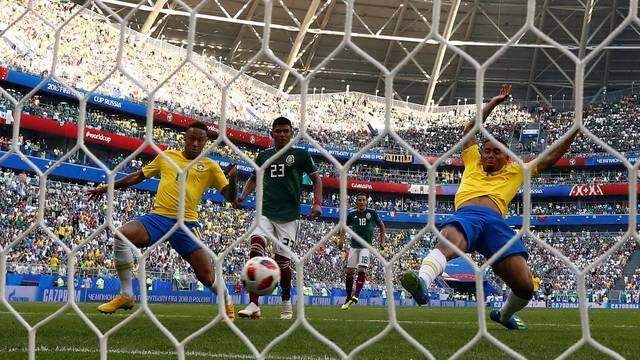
286, 233
123, 258
433, 265
363, 262
200, 261
515, 271
349, 271
285, 284
258, 246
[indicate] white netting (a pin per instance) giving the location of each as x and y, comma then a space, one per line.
151, 90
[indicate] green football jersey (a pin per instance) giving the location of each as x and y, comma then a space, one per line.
363, 223
283, 182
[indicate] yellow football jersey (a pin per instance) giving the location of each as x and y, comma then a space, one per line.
205, 174
536, 283
500, 186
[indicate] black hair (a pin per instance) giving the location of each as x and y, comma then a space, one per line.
500, 140
198, 125
361, 194
281, 121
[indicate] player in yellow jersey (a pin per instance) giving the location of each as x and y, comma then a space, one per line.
489, 183
146, 230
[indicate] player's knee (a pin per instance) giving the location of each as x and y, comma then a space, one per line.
282, 261
205, 277
523, 291
350, 271
134, 232
258, 245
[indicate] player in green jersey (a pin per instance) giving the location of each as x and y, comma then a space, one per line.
282, 187
362, 221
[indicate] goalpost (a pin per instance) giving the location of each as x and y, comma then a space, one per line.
434, 37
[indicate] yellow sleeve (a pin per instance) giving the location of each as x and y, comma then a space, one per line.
520, 169
152, 168
217, 179
471, 155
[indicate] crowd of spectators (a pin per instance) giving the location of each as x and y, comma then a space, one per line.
73, 219
339, 120
581, 248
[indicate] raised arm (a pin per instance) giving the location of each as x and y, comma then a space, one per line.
556, 153
125, 182
505, 91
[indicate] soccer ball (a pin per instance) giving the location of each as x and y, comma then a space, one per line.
260, 275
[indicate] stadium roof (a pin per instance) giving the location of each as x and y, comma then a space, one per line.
389, 30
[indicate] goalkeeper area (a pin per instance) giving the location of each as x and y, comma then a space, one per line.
442, 330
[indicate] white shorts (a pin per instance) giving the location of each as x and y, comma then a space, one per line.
285, 232
358, 257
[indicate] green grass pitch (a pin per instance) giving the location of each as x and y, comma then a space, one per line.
441, 330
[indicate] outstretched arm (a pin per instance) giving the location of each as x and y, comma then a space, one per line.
249, 186
505, 91
129, 180
556, 153
230, 192
381, 234
316, 209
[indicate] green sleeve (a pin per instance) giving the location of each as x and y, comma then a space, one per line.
375, 217
260, 158
308, 166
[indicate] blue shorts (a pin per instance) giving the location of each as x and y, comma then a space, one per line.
485, 231
157, 226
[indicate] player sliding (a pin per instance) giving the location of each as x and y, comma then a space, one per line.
489, 183
282, 187
147, 229
362, 221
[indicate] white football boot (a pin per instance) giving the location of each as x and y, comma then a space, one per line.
252, 311
287, 310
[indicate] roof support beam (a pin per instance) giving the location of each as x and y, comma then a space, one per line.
607, 61
297, 44
586, 26
442, 48
555, 63
544, 98
323, 24
236, 43
396, 31
563, 27
467, 36
534, 59
152, 16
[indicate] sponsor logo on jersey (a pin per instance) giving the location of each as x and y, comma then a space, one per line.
290, 160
